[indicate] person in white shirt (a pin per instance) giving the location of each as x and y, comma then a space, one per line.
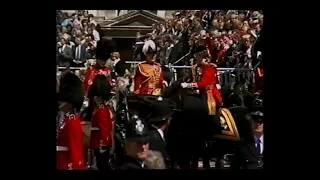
113, 60
95, 33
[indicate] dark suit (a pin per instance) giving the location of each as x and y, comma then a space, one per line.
131, 163
65, 56
175, 53
158, 144
246, 156
81, 54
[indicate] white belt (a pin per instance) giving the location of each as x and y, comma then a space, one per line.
62, 148
94, 129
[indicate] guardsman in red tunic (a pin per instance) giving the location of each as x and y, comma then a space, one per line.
259, 74
208, 84
149, 76
99, 67
101, 140
70, 136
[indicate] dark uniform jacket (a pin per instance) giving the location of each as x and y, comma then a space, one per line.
156, 143
131, 163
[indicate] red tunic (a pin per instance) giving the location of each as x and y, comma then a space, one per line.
91, 74
259, 74
148, 79
70, 144
220, 57
101, 128
207, 84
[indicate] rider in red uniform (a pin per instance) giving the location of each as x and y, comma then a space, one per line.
208, 84
70, 136
149, 76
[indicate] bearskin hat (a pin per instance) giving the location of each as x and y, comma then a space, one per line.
100, 87
71, 90
149, 47
104, 49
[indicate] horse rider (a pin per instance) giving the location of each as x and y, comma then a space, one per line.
159, 120
149, 76
136, 144
101, 140
70, 151
208, 83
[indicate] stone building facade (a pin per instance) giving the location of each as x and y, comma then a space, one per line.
102, 15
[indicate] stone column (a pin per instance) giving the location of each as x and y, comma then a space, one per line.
122, 12
93, 12
161, 13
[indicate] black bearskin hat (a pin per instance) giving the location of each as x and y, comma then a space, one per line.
104, 49
71, 90
100, 87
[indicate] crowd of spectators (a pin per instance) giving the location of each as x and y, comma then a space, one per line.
228, 35
77, 37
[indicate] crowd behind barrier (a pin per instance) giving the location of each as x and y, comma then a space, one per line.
228, 35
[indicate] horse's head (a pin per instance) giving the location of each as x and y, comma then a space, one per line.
240, 95
172, 90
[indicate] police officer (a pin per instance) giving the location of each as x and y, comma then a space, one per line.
136, 144
257, 127
159, 119
246, 154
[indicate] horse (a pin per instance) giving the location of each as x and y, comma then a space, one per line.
190, 122
234, 126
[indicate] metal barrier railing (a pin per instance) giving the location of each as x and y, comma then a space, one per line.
225, 75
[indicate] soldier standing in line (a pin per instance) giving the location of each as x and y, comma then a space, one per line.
70, 136
101, 140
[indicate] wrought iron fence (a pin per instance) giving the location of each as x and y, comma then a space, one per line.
226, 75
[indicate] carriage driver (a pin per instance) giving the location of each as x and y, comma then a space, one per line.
149, 76
208, 84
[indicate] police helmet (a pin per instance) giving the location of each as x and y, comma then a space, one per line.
162, 110
257, 116
136, 130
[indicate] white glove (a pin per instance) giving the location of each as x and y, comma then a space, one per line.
184, 85
218, 86
102, 151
